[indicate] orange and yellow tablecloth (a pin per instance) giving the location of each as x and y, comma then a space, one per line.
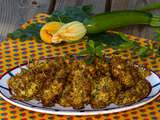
13, 53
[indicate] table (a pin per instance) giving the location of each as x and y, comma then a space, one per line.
13, 53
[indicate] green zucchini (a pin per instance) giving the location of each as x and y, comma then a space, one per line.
115, 19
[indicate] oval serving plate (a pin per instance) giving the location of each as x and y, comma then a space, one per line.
59, 110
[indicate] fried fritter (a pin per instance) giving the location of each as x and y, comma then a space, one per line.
54, 84
79, 92
17, 84
32, 89
121, 71
132, 79
31, 83
52, 88
25, 85
77, 89
103, 90
134, 94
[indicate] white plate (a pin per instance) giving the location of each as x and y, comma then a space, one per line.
59, 110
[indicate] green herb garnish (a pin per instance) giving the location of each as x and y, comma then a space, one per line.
92, 51
30, 32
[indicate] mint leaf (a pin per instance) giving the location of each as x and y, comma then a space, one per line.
91, 51
91, 44
99, 52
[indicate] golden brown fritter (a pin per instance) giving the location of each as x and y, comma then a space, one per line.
32, 89
25, 85
120, 71
54, 84
17, 84
77, 88
103, 90
34, 82
131, 78
79, 91
134, 94
53, 88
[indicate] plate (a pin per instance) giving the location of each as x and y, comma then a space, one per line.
59, 110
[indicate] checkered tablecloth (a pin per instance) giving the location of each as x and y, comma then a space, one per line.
14, 52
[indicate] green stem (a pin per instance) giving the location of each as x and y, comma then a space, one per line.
150, 7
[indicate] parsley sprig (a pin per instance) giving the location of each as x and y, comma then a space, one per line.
30, 32
92, 51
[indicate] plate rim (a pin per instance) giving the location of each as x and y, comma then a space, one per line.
78, 113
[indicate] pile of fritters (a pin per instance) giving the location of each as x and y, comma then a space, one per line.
76, 84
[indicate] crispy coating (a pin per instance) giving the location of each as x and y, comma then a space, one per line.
139, 72
63, 99
121, 71
78, 87
132, 78
24, 85
54, 84
76, 84
53, 87
134, 94
103, 90
79, 91
17, 84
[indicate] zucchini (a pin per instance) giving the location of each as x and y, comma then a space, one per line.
110, 20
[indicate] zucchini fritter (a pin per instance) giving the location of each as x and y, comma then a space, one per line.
104, 89
120, 70
53, 88
132, 78
24, 85
102, 92
134, 94
79, 91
